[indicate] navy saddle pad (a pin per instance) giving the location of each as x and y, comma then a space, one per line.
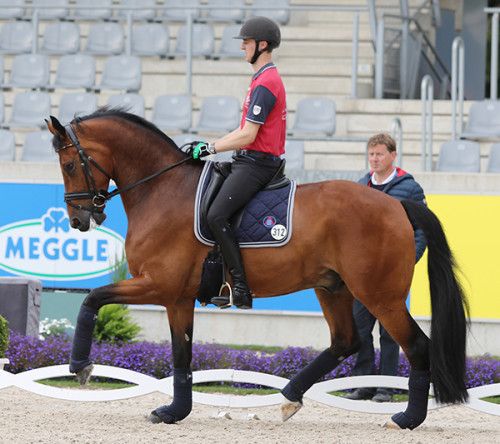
267, 219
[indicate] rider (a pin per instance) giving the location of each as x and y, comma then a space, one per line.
259, 141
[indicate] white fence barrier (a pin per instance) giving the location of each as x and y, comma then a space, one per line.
146, 384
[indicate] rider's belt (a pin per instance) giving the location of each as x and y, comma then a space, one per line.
253, 153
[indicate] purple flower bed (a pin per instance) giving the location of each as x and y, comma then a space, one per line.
26, 353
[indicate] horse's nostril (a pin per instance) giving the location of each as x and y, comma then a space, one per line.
75, 222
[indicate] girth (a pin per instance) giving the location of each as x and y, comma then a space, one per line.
220, 172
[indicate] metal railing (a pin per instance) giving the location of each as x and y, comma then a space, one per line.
427, 97
494, 52
457, 86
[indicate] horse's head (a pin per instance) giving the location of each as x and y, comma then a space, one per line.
83, 164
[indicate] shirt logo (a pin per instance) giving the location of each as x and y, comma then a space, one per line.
256, 110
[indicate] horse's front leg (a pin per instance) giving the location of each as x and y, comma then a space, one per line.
132, 291
180, 318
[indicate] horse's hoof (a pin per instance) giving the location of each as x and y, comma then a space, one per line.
288, 409
154, 418
83, 376
390, 424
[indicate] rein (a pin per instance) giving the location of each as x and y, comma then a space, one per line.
98, 198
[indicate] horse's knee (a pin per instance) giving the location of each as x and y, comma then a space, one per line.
343, 350
93, 300
418, 353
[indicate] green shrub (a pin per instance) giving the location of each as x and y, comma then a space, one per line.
4, 336
115, 324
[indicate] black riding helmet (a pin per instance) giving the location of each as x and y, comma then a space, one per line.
261, 29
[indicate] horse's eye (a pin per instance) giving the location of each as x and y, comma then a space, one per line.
69, 167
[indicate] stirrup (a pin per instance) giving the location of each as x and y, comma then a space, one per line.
230, 299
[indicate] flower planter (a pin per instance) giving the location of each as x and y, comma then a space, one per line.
3, 361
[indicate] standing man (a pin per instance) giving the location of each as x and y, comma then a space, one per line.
401, 185
260, 141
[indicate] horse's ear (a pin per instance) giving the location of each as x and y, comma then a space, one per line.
55, 126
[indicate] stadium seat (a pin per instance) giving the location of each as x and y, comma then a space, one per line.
483, 120
105, 38
459, 156
229, 46
493, 165
7, 146
11, 13
130, 102
29, 71
172, 112
29, 109
150, 39
75, 71
95, 10
137, 14
202, 41
225, 15
52, 13
37, 147
76, 104
281, 16
121, 72
314, 115
218, 114
176, 10
61, 38
294, 154
16, 37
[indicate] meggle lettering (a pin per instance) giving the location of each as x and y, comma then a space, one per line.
55, 249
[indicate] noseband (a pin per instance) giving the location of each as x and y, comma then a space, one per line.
98, 198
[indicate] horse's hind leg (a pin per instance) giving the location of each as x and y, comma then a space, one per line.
337, 309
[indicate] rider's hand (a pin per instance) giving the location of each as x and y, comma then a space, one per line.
202, 149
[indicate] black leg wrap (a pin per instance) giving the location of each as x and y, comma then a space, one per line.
183, 398
82, 341
418, 386
324, 363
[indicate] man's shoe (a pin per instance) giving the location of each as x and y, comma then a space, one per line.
382, 397
242, 298
359, 395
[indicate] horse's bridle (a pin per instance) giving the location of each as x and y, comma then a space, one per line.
98, 198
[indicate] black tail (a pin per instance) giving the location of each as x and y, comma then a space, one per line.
450, 309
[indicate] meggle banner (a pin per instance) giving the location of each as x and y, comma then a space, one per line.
37, 241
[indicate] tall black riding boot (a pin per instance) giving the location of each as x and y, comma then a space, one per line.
242, 296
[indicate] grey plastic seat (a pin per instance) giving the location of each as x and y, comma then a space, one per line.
37, 147
177, 10
29, 109
172, 112
7, 146
52, 13
76, 104
229, 46
98, 10
16, 37
2, 108
294, 154
493, 165
130, 102
459, 156
483, 120
61, 38
105, 38
202, 41
150, 39
11, 13
314, 115
184, 138
137, 14
281, 16
2, 69
218, 114
225, 15
29, 71
75, 71
123, 72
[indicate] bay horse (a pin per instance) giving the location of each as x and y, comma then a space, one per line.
349, 241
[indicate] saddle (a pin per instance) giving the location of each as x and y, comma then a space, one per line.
219, 174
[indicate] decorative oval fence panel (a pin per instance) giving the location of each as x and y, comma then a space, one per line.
146, 384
